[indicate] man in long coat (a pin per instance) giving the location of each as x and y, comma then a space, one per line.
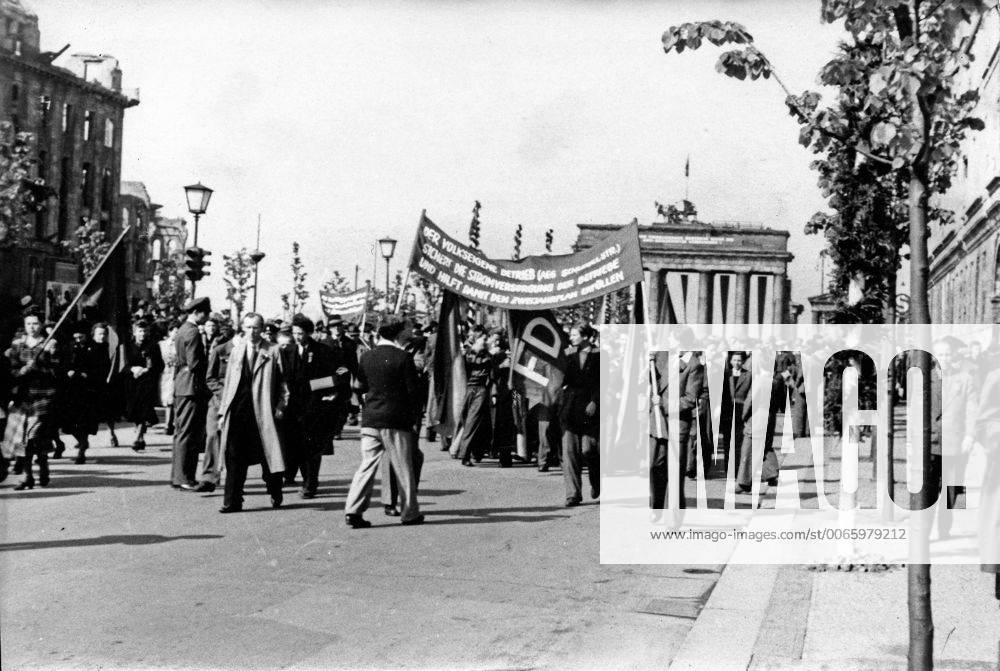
190, 394
255, 395
218, 360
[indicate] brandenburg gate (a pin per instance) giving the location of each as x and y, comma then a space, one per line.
710, 273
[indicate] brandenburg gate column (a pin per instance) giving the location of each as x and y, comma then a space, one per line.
704, 291
740, 296
653, 295
779, 299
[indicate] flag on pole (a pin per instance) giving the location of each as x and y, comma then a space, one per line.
444, 407
346, 305
687, 166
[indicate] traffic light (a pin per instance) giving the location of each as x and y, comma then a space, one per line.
196, 263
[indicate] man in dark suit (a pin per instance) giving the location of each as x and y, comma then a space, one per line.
215, 379
190, 394
579, 414
388, 379
694, 409
735, 389
320, 388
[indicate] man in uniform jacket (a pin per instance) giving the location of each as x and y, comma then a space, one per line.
218, 360
320, 391
254, 397
388, 379
190, 394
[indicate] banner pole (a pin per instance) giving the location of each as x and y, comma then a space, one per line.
86, 285
409, 263
652, 363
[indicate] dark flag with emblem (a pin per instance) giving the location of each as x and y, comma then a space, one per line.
444, 407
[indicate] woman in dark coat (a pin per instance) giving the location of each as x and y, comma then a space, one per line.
504, 426
79, 408
32, 422
107, 399
139, 363
578, 414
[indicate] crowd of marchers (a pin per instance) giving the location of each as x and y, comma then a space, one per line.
278, 395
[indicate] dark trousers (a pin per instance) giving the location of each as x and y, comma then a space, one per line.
659, 477
236, 477
580, 448
392, 488
189, 437
310, 473
39, 449
769, 470
211, 464
547, 434
476, 430
704, 430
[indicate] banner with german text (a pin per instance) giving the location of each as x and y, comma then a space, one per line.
531, 283
346, 305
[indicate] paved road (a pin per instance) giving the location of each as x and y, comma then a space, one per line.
110, 568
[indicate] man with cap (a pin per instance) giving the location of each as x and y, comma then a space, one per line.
218, 360
190, 394
388, 379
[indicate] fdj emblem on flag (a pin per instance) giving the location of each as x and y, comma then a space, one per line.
345, 305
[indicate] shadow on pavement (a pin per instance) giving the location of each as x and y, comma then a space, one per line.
135, 539
38, 494
489, 515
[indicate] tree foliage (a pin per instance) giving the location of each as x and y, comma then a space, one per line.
170, 291
295, 300
238, 269
474, 227
89, 245
21, 194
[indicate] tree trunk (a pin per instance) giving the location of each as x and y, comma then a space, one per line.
920, 656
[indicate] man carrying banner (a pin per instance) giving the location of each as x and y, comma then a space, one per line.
190, 394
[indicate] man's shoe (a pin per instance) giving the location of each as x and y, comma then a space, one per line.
391, 511
81, 458
419, 519
114, 440
230, 509
357, 522
276, 501
139, 445
188, 487
772, 482
205, 487
570, 503
466, 462
544, 468
308, 493
25, 484
595, 492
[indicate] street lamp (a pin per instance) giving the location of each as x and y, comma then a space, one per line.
198, 196
388, 247
256, 256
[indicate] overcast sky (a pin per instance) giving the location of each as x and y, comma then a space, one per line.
340, 122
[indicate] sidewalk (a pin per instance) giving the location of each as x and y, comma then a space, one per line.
802, 617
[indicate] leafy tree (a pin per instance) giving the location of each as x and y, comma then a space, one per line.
337, 284
89, 245
548, 241
296, 300
238, 276
21, 195
518, 235
170, 291
474, 226
913, 116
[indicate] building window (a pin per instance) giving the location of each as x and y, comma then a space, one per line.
140, 260
106, 191
109, 133
88, 117
15, 94
44, 105
17, 46
86, 185
67, 118
64, 180
157, 249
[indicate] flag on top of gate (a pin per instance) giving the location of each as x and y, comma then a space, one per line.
346, 305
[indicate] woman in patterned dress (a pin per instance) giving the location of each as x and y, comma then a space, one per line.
169, 356
32, 422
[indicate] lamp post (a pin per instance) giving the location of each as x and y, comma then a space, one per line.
388, 248
198, 196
